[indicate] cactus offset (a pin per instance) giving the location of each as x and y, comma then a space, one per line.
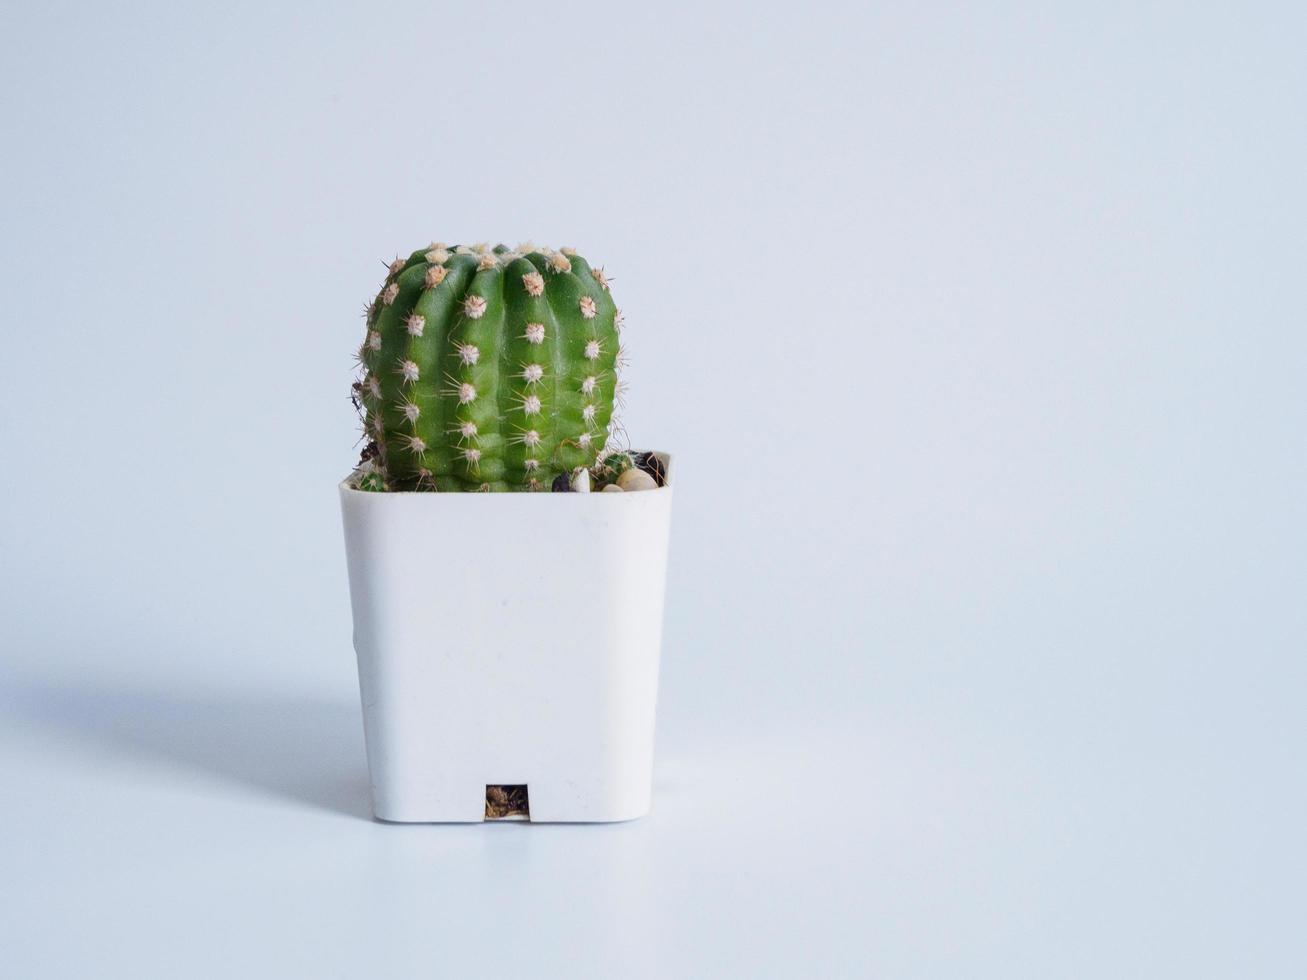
488, 369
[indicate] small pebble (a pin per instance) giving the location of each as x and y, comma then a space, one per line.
581, 481
612, 488
652, 465
637, 480
561, 484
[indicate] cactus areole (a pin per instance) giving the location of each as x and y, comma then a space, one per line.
486, 369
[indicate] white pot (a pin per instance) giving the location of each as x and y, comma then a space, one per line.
508, 639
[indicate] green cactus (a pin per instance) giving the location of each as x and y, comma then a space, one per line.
488, 369
614, 465
371, 481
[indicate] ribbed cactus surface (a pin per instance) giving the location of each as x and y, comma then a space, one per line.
488, 369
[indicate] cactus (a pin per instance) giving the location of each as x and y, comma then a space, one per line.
488, 369
616, 464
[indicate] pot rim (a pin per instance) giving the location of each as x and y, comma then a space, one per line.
665, 457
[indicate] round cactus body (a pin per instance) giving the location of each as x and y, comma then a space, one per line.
488, 369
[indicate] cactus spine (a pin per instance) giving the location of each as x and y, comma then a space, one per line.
488, 369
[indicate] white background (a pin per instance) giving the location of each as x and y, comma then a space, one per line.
978, 335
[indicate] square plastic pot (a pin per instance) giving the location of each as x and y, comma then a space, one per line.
508, 639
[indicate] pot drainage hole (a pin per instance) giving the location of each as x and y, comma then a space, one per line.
507, 802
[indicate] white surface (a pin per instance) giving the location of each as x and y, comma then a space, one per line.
464, 681
977, 331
